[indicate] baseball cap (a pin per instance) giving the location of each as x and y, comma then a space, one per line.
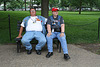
55, 9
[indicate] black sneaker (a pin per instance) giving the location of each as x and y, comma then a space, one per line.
38, 52
49, 54
29, 52
66, 56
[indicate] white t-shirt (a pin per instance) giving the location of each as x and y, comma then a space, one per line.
33, 24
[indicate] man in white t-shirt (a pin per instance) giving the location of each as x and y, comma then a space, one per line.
34, 26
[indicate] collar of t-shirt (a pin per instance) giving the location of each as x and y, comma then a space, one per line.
56, 19
33, 18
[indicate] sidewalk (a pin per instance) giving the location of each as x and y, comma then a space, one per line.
79, 58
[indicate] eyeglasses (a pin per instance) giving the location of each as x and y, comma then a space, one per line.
32, 11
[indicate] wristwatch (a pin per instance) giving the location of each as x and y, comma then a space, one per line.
62, 32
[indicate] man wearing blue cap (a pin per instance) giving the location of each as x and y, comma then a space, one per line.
56, 28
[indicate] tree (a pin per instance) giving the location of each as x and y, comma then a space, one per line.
91, 3
37, 2
21, 3
4, 1
44, 8
25, 5
54, 3
30, 3
12, 5
98, 4
64, 3
78, 4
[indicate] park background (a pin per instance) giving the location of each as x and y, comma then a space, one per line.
81, 18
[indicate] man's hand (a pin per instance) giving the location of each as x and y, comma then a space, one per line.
62, 34
20, 32
20, 36
49, 34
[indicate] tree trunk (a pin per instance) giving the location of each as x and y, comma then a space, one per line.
4, 5
13, 10
25, 5
51, 6
80, 7
99, 9
91, 6
70, 8
91, 9
30, 4
44, 8
22, 7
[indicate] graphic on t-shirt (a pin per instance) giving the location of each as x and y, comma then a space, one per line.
55, 22
37, 19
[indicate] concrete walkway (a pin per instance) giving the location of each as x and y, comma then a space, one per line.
79, 58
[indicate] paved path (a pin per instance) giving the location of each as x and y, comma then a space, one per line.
79, 58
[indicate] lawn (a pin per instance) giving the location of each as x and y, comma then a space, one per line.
76, 31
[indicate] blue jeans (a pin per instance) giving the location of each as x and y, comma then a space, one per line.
29, 35
61, 39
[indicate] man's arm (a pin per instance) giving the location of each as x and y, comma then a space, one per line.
49, 27
62, 28
20, 32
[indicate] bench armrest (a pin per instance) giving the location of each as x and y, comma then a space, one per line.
18, 39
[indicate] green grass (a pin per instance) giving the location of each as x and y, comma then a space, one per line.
74, 34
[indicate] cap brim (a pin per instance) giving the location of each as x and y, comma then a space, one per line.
55, 10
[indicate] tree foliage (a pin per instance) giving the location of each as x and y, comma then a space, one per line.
79, 4
54, 3
12, 5
64, 3
98, 4
4, 1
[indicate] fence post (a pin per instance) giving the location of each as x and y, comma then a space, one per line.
98, 27
9, 27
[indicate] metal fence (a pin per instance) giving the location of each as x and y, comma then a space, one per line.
9, 21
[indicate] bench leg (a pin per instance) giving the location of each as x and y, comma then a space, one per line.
18, 46
59, 47
57, 44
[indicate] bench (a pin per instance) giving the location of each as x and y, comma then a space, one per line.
18, 40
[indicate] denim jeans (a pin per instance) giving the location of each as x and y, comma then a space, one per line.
61, 39
29, 35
